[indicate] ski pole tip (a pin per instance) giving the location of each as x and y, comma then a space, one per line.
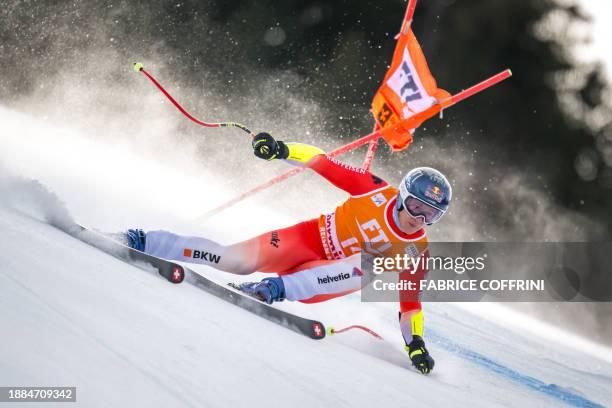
138, 66
330, 330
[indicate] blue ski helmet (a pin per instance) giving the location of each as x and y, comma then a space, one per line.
425, 192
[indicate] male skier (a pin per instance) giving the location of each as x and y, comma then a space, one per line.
306, 255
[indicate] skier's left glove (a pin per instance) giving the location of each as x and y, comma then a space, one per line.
419, 355
267, 148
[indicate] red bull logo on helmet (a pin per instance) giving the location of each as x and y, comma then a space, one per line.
435, 194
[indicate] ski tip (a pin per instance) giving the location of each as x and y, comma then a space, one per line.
138, 66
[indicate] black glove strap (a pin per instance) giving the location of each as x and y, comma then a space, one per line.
283, 150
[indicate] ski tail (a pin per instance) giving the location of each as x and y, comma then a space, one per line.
169, 270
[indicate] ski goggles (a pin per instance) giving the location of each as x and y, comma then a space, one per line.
419, 209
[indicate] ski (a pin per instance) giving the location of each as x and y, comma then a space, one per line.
313, 329
169, 270
176, 273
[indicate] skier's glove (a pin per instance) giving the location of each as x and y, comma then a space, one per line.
419, 355
265, 147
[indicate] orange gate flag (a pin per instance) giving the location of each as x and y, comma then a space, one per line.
408, 88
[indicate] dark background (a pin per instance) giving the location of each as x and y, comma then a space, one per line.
530, 159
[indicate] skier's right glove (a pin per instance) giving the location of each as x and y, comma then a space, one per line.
267, 148
419, 355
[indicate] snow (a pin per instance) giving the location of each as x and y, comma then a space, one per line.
72, 315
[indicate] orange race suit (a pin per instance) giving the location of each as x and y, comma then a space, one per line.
317, 259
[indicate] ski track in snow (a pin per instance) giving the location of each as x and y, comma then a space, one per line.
553, 390
74, 316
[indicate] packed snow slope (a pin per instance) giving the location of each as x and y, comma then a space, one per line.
72, 315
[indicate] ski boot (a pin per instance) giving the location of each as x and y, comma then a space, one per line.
268, 290
136, 238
